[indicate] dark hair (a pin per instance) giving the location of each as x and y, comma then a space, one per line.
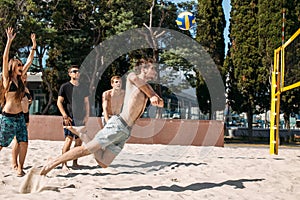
21, 87
71, 67
142, 63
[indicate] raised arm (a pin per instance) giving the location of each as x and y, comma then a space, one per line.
146, 89
10, 37
31, 55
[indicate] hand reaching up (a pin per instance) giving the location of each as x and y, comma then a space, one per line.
10, 34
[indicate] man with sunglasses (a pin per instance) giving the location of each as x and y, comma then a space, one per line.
66, 105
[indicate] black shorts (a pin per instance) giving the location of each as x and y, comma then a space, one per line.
75, 122
26, 116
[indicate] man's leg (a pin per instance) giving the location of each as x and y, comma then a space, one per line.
78, 143
66, 147
103, 158
73, 154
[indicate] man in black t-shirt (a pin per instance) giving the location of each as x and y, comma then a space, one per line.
73, 104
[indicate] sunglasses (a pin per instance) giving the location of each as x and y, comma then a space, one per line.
75, 71
20, 65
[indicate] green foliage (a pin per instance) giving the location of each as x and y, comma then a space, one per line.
255, 32
245, 61
174, 68
210, 27
67, 31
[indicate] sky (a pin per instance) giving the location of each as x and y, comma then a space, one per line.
226, 7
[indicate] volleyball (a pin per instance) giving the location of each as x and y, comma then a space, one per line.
185, 20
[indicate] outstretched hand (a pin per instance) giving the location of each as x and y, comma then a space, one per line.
33, 39
10, 33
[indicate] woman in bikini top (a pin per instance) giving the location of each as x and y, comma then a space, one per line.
12, 88
12, 91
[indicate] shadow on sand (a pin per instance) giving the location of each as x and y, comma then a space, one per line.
237, 184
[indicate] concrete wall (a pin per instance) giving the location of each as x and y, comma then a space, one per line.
145, 131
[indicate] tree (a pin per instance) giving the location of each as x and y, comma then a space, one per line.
27, 17
210, 27
68, 31
7, 18
247, 70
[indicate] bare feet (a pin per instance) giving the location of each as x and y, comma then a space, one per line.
14, 166
75, 164
51, 165
20, 173
45, 169
65, 168
80, 131
77, 130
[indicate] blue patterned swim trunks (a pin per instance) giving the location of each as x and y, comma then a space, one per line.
12, 125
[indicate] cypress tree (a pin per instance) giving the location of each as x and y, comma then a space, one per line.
210, 27
246, 61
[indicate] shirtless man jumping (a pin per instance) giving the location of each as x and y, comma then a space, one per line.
111, 139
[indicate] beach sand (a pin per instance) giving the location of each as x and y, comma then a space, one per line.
160, 172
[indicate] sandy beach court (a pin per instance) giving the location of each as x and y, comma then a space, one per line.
162, 172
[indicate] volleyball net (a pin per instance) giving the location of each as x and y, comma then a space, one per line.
285, 76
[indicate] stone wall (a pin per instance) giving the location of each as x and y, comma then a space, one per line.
145, 131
